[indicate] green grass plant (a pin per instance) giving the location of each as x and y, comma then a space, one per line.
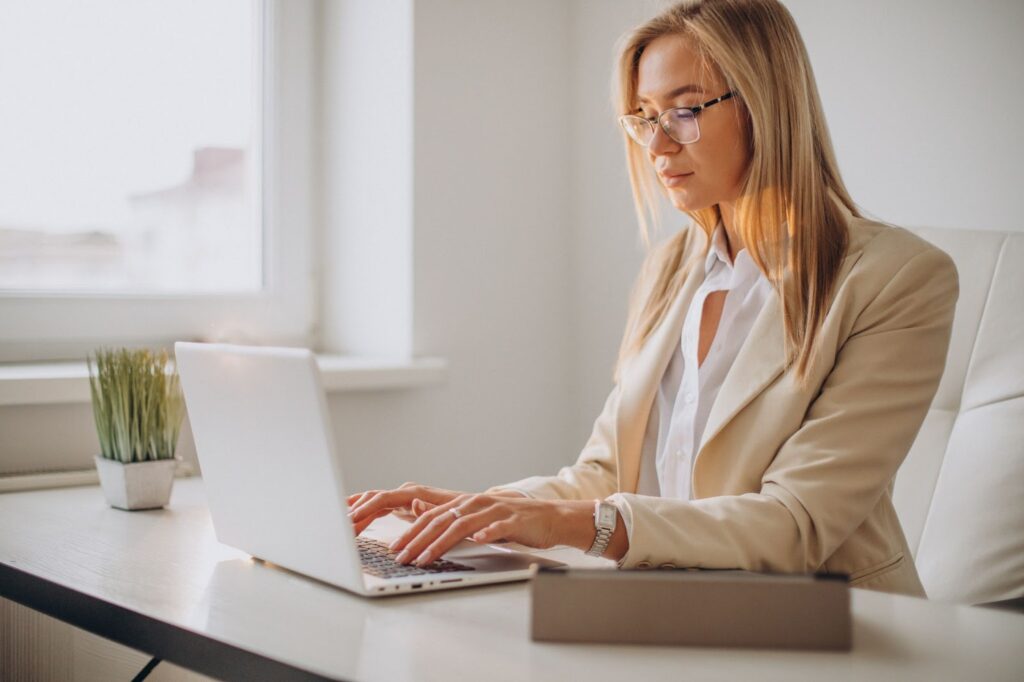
136, 403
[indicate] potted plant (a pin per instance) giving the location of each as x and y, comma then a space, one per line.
138, 408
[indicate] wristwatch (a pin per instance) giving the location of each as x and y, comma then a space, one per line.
605, 516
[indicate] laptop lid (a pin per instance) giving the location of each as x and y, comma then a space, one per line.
270, 469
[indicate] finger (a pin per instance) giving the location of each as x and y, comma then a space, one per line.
404, 514
419, 507
401, 497
364, 524
421, 522
457, 531
408, 514
357, 499
383, 500
421, 541
413, 512
495, 532
426, 529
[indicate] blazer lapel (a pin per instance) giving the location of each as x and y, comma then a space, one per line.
762, 357
642, 375
760, 361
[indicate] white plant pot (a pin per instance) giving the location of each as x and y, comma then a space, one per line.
138, 485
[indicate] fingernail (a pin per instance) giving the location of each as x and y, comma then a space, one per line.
394, 545
401, 558
423, 560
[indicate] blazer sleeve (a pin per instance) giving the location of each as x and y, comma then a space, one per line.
828, 476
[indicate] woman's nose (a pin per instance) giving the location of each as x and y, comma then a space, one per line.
661, 143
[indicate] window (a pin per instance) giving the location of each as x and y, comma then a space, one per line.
131, 157
145, 196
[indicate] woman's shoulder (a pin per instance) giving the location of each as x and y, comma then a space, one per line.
882, 256
875, 238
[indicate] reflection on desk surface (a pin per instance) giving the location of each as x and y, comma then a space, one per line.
250, 602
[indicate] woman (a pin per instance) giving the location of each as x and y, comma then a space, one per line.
780, 352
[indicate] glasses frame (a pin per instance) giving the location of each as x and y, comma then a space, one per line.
660, 120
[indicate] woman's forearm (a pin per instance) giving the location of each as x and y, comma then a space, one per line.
576, 526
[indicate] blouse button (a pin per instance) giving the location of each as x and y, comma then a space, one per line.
689, 397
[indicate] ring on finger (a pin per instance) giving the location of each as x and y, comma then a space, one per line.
455, 512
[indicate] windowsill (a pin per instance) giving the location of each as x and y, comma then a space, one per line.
49, 383
47, 480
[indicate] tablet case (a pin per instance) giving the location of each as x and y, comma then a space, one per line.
721, 608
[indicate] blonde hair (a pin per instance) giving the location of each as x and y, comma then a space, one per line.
756, 48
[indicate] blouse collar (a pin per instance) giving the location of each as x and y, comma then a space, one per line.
741, 270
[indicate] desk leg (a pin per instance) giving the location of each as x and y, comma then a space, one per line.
144, 673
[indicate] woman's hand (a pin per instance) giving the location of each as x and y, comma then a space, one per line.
483, 518
365, 507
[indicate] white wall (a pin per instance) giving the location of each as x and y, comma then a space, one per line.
606, 245
923, 100
366, 178
491, 255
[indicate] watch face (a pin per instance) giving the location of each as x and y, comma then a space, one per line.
606, 515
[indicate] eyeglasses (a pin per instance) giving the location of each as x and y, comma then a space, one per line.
680, 123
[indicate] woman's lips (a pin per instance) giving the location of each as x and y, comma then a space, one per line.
674, 180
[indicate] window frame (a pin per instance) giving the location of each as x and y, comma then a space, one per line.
51, 326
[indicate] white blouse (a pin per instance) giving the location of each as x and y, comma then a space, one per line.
686, 393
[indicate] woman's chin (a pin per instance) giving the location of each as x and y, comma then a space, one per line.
684, 202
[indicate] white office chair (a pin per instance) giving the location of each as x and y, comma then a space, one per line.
960, 493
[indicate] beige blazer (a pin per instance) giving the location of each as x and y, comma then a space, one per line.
787, 479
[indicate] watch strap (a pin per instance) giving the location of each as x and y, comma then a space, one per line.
604, 533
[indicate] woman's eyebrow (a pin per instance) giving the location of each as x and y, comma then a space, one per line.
691, 87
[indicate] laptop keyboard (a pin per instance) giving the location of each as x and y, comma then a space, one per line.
378, 560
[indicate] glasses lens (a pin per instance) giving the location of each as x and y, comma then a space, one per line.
681, 125
638, 128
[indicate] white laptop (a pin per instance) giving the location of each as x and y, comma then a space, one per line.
274, 481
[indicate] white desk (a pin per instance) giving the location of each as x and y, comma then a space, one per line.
158, 581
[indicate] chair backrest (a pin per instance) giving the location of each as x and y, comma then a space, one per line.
960, 492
